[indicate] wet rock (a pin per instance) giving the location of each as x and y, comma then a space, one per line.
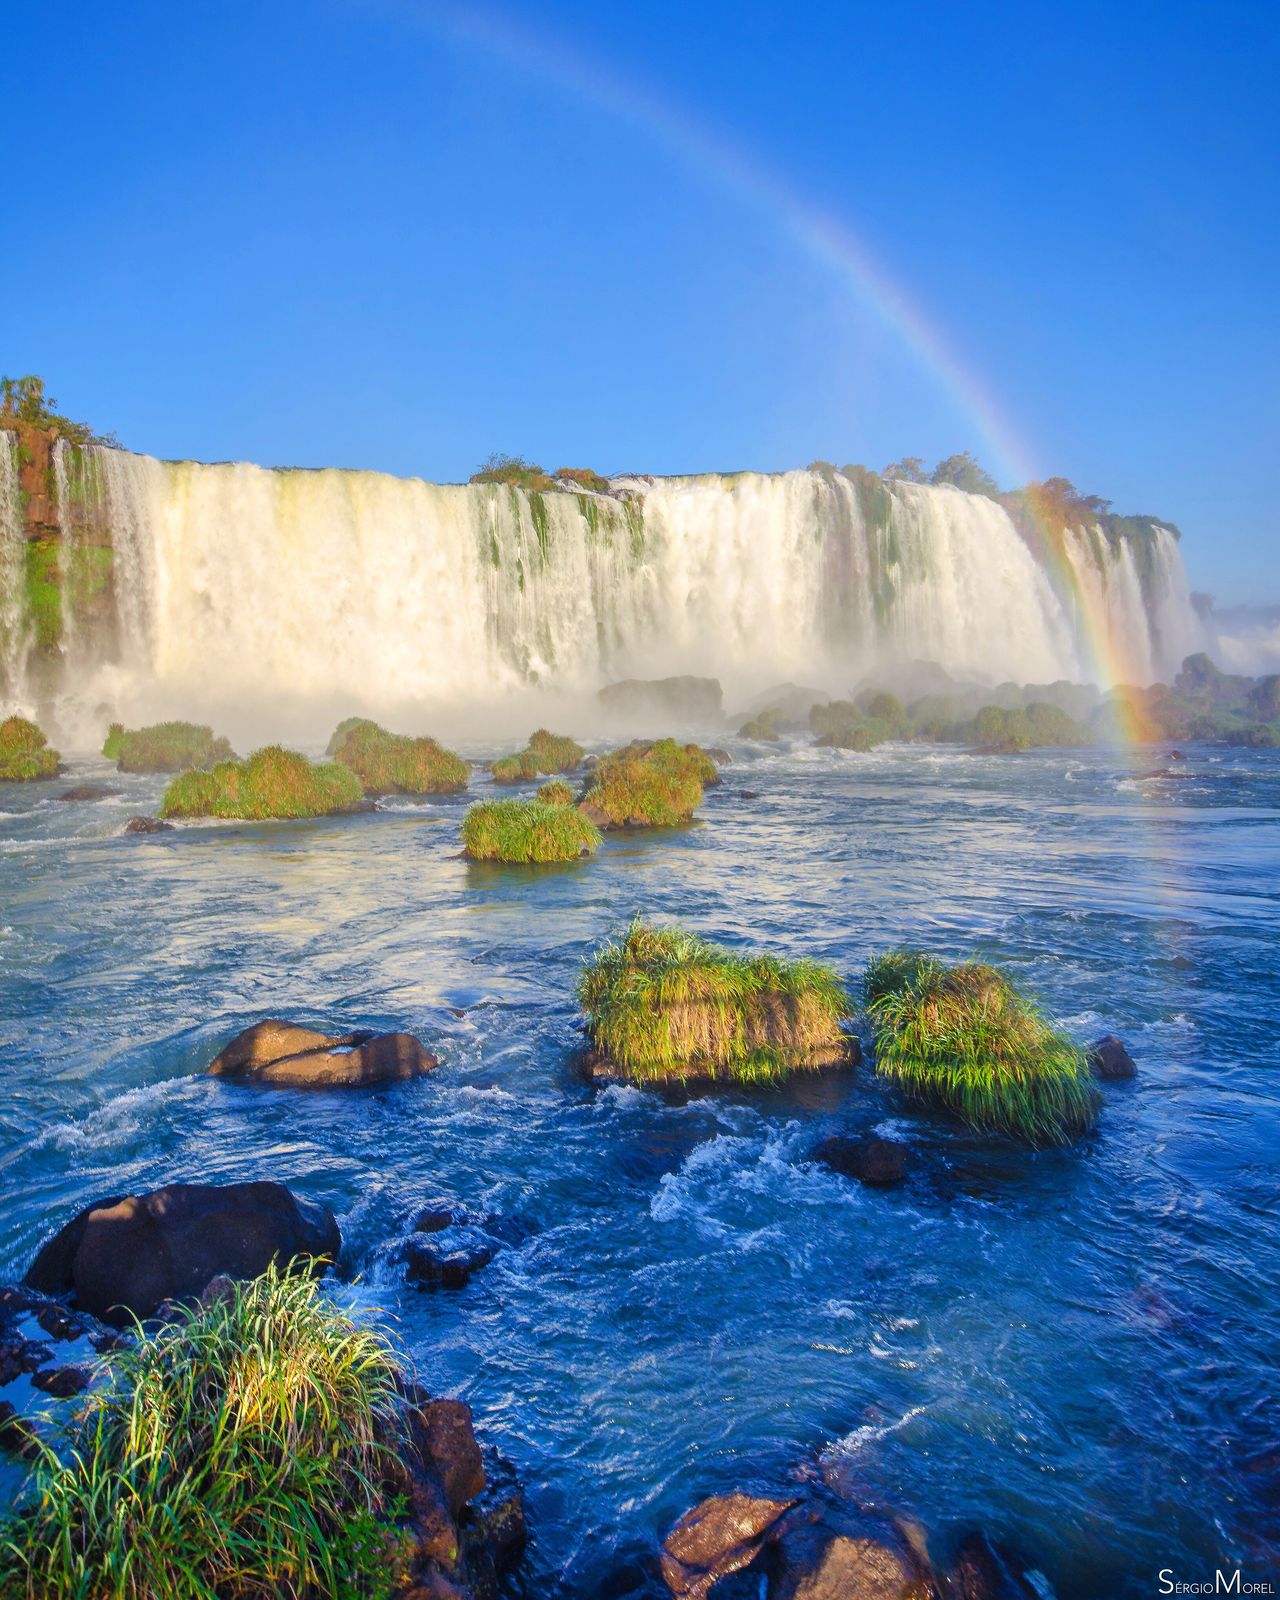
437, 1215
147, 825
284, 1055
879, 1163
444, 1438
437, 1267
815, 1563
19, 1356
130, 1253
722, 1535
1108, 1059
59, 1323
87, 791
495, 1518
722, 758
985, 1571
684, 697
62, 1382
17, 1438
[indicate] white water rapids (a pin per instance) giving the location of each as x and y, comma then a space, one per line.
328, 589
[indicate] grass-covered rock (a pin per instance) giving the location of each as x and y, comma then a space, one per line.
165, 747
648, 785
965, 1039
663, 1003
343, 729
272, 783
764, 725
527, 830
394, 763
24, 752
243, 1449
556, 793
545, 753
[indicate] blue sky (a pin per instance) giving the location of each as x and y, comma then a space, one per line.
397, 235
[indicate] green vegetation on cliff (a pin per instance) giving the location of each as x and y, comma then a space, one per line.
648, 785
24, 752
244, 1448
272, 783
165, 747
966, 1040
24, 400
395, 763
664, 1003
544, 754
526, 830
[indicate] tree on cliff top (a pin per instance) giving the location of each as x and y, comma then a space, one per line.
24, 400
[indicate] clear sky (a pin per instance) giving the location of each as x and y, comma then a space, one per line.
665, 237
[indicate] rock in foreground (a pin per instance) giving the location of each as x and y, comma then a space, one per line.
1108, 1059
125, 1255
147, 825
663, 1004
283, 1055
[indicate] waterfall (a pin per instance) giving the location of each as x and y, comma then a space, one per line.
231, 582
14, 628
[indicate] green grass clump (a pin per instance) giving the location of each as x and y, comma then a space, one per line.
24, 752
761, 726
242, 1450
394, 763
650, 785
965, 1039
527, 830
556, 793
165, 747
271, 783
545, 753
343, 729
665, 1003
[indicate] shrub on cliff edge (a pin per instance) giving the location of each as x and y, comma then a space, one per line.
24, 752
965, 1039
526, 830
165, 747
648, 785
271, 783
665, 1003
242, 1449
394, 763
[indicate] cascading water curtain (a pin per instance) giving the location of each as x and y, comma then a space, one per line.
14, 623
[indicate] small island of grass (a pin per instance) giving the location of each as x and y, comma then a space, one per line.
648, 785
395, 763
545, 753
242, 1448
165, 747
272, 783
964, 1039
24, 752
556, 793
527, 830
665, 1004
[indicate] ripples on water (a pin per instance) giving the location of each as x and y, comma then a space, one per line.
1073, 1350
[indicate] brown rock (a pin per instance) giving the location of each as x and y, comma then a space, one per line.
445, 1440
1108, 1059
813, 1563
435, 1538
985, 1571
283, 1055
721, 1535
147, 825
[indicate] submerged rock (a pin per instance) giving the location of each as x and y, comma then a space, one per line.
983, 1570
87, 791
879, 1163
127, 1254
147, 825
1108, 1059
436, 1266
285, 1055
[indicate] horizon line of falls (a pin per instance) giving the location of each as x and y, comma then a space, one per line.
188, 587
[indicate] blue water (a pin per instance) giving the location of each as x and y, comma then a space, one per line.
1075, 1350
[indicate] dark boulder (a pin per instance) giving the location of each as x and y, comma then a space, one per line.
87, 791
62, 1382
283, 1055
879, 1163
722, 1535
16, 1435
437, 1215
1109, 1059
436, 1267
128, 1254
985, 1571
147, 825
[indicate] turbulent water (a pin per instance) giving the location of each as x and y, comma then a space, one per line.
383, 592
1073, 1350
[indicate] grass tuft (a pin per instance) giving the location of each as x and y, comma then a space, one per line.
663, 1003
394, 763
556, 793
24, 752
545, 753
241, 1450
343, 729
649, 785
271, 783
527, 830
965, 1039
165, 747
